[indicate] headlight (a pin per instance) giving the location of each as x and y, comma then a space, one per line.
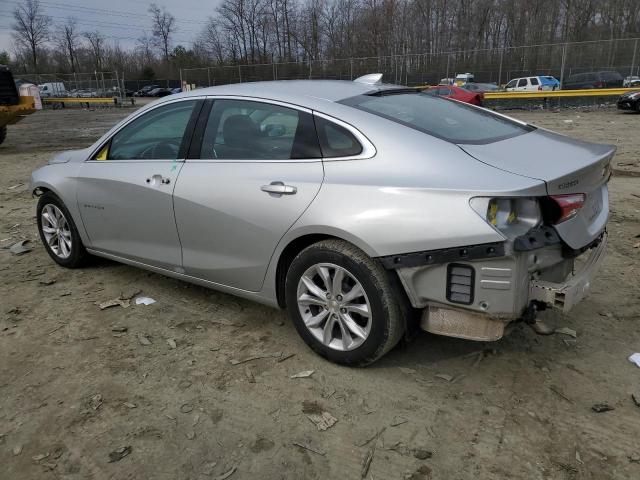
511, 216
634, 95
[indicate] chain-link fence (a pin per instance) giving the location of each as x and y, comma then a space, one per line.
90, 85
560, 60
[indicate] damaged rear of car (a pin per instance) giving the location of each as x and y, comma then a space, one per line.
552, 230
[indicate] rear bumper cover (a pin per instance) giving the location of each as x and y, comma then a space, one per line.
503, 288
564, 296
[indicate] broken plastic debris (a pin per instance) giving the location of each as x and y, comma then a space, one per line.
323, 420
408, 371
226, 474
567, 331
119, 454
602, 407
144, 340
20, 247
114, 303
303, 374
635, 358
172, 343
145, 301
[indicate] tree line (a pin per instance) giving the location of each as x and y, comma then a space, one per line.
250, 32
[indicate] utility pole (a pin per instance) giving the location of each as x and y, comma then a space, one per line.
564, 56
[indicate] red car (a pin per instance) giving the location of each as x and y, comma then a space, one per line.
457, 93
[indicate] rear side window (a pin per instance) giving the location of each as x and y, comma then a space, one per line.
452, 121
534, 81
248, 130
336, 141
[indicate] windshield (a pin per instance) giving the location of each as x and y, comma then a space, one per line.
449, 120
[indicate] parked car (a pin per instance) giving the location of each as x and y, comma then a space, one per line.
159, 92
629, 101
582, 81
456, 93
533, 84
52, 89
631, 81
354, 205
481, 87
447, 81
176, 90
145, 90
463, 78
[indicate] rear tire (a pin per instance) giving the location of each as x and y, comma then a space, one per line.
343, 303
58, 232
3, 134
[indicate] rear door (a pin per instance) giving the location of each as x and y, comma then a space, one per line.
255, 169
125, 190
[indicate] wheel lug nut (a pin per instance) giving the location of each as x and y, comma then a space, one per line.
328, 295
343, 310
339, 297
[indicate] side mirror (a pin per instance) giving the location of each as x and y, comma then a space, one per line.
274, 130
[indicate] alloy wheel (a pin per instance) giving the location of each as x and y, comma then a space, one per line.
334, 306
56, 230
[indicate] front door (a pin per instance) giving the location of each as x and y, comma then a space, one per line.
258, 169
125, 193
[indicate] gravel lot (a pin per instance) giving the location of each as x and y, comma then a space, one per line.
73, 391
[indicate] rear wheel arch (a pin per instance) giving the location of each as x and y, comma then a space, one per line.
293, 248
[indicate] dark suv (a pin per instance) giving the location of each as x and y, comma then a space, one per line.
581, 81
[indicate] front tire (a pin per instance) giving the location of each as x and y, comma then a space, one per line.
58, 232
343, 304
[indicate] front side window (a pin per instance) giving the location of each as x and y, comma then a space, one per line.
534, 81
511, 84
248, 130
452, 121
522, 82
155, 135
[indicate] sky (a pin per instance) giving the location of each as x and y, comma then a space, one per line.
118, 20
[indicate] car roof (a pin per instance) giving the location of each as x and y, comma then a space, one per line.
307, 93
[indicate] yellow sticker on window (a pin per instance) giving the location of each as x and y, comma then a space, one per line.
102, 155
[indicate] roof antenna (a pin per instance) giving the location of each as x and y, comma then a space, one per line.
371, 79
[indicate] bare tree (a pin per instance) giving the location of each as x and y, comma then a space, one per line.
163, 26
31, 27
144, 49
97, 48
67, 40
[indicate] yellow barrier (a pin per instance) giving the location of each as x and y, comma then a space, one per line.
79, 100
595, 92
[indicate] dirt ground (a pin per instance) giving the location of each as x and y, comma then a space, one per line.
73, 390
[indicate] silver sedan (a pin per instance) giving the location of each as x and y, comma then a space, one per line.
366, 210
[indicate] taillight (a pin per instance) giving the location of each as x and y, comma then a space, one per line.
568, 206
540, 87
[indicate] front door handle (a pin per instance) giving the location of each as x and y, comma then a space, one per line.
279, 188
158, 179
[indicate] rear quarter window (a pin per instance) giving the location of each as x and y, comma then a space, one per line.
449, 120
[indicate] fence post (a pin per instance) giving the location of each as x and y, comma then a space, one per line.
633, 60
564, 55
351, 68
447, 75
208, 78
239, 73
500, 68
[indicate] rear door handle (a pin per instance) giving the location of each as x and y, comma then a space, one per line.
279, 188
